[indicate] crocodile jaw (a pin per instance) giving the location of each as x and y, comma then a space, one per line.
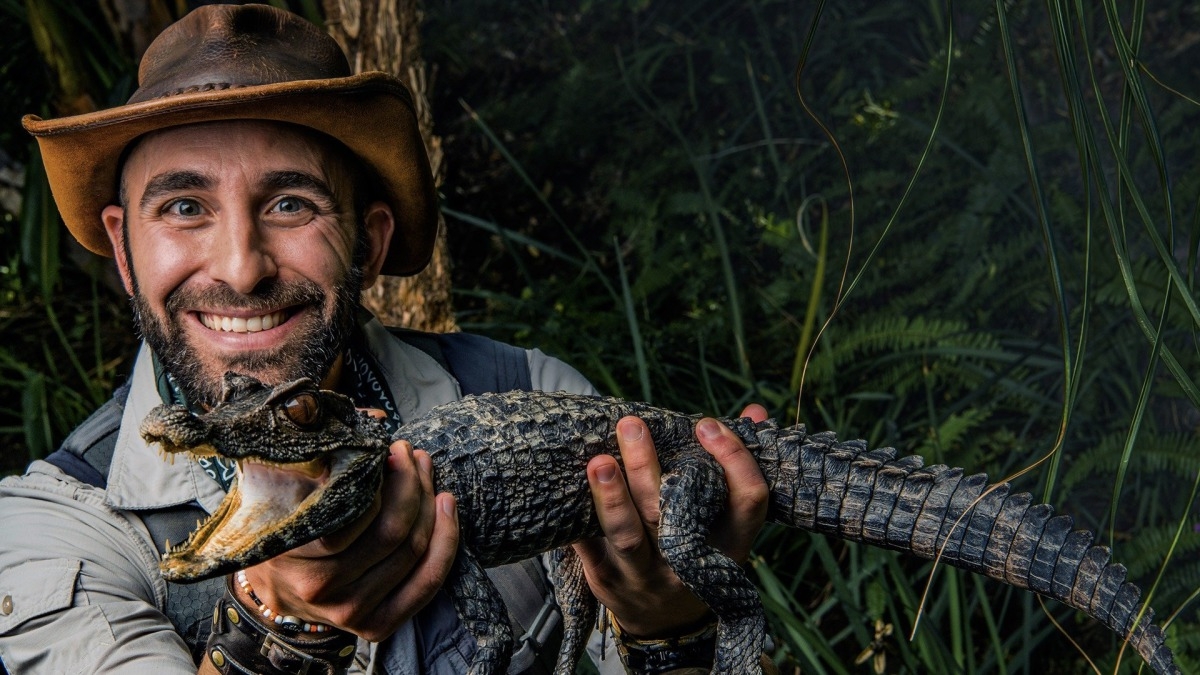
271, 509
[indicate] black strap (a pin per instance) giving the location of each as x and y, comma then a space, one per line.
480, 364
534, 613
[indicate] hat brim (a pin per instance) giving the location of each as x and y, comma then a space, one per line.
371, 114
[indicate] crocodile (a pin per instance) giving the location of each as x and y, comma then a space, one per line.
309, 462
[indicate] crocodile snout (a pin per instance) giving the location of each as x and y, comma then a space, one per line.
174, 428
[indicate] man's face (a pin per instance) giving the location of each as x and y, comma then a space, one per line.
242, 251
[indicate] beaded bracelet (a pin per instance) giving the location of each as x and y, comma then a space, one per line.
240, 643
289, 623
655, 657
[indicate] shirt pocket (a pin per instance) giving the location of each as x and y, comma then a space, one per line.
34, 589
39, 624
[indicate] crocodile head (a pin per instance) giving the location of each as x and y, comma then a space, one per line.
307, 463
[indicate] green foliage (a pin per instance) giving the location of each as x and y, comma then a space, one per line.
65, 336
991, 254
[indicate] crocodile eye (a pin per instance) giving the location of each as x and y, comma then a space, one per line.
303, 409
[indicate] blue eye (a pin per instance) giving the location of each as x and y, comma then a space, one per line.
289, 205
184, 207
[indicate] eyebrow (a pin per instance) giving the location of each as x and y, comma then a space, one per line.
293, 180
173, 181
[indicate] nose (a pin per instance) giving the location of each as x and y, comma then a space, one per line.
241, 256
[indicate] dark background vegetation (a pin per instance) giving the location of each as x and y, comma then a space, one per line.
986, 212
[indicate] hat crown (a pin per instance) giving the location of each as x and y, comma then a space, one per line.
228, 46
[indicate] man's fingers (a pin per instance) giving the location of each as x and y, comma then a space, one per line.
336, 542
592, 552
382, 546
620, 520
625, 557
755, 412
421, 586
425, 464
748, 492
403, 488
642, 470
404, 539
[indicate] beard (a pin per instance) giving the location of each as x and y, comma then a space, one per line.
317, 342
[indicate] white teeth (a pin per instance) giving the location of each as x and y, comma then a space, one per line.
237, 324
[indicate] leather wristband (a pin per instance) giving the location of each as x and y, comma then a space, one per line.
241, 643
695, 650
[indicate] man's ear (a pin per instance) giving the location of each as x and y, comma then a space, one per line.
379, 223
114, 224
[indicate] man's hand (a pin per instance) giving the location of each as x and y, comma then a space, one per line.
624, 568
375, 573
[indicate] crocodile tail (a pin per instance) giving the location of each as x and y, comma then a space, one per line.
843, 489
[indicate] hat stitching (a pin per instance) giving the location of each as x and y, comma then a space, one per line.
197, 88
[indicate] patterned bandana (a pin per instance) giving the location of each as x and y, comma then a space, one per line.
367, 390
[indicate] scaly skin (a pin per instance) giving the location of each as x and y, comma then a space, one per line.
516, 463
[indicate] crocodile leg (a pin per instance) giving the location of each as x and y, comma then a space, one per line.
577, 604
693, 494
481, 609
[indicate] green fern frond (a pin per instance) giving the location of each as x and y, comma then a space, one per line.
1170, 453
1143, 554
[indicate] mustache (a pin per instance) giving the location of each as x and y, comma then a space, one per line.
269, 295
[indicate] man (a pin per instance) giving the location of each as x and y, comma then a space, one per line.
248, 191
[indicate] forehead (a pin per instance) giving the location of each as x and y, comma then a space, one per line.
245, 146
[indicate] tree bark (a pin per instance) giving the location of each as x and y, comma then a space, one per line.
383, 35
135, 23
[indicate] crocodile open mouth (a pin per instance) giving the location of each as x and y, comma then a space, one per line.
272, 501
274, 489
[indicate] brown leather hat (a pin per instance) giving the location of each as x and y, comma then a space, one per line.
226, 62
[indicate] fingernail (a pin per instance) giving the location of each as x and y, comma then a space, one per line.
708, 429
606, 473
630, 430
448, 507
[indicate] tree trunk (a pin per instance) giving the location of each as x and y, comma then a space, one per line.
383, 35
135, 23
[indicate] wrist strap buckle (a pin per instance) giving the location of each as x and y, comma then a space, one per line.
271, 641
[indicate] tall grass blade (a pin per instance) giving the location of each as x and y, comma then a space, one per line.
1052, 254
804, 345
1135, 425
635, 334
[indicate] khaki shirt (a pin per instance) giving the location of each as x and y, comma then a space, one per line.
80, 590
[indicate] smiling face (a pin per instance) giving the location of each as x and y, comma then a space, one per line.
241, 248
